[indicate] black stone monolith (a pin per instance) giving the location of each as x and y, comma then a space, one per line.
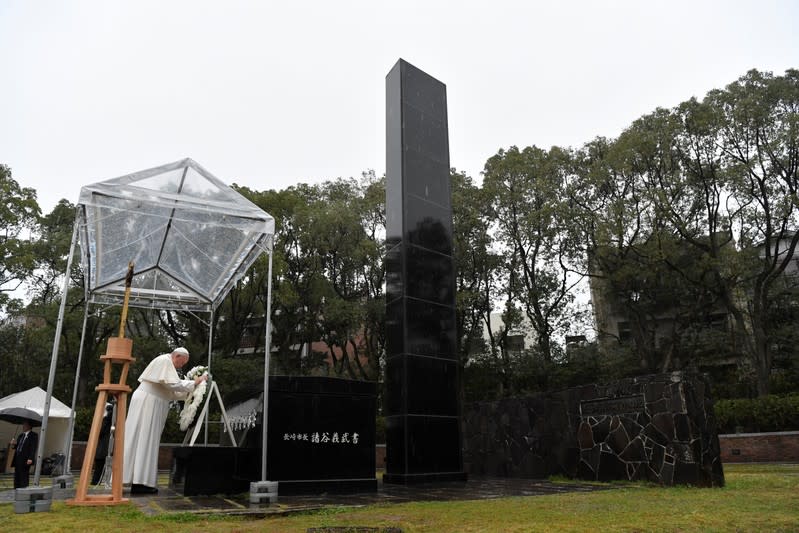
422, 412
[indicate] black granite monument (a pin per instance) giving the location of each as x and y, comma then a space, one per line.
423, 441
321, 438
321, 435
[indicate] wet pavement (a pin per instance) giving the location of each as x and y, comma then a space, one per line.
168, 501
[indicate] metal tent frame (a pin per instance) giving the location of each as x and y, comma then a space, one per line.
191, 238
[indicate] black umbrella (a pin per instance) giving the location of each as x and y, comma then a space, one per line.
18, 415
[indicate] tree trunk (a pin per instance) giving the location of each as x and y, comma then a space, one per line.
762, 360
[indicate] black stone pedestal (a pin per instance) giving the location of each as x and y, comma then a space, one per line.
321, 436
200, 470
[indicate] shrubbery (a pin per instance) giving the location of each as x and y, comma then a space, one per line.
769, 413
83, 422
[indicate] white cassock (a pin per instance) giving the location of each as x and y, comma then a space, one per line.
149, 406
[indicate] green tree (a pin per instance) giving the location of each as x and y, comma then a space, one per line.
19, 213
334, 236
373, 271
641, 269
759, 135
612, 214
693, 210
296, 278
735, 200
50, 248
346, 233
528, 193
476, 268
329, 276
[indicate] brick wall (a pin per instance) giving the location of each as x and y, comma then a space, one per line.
164, 455
778, 447
380, 455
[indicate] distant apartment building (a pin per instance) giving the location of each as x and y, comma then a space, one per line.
519, 339
667, 310
25, 321
781, 247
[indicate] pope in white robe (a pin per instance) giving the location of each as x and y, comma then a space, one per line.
149, 406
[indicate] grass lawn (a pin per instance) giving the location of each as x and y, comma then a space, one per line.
756, 498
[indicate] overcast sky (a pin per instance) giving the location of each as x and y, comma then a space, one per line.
269, 94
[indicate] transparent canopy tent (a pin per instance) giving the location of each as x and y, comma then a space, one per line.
189, 236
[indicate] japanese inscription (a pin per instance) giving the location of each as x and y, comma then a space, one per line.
323, 437
612, 406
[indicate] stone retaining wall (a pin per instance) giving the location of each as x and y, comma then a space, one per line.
658, 428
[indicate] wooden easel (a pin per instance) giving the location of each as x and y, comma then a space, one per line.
118, 352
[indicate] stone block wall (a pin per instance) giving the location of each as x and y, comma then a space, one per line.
658, 428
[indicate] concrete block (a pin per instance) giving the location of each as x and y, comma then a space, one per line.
64, 494
64, 482
263, 492
263, 497
263, 486
32, 499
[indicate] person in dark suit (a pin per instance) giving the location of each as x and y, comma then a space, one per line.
102, 443
25, 448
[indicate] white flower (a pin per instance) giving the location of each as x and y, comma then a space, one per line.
195, 398
196, 371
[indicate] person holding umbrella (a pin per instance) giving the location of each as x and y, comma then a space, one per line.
25, 447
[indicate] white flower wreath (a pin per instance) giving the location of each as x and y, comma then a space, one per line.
195, 397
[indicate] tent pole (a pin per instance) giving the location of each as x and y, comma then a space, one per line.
210, 346
71, 430
267, 351
54, 357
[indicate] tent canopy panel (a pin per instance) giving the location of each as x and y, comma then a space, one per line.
32, 402
189, 235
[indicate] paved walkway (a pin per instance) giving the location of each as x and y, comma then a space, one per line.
168, 501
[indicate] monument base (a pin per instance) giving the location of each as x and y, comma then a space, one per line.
334, 486
203, 470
